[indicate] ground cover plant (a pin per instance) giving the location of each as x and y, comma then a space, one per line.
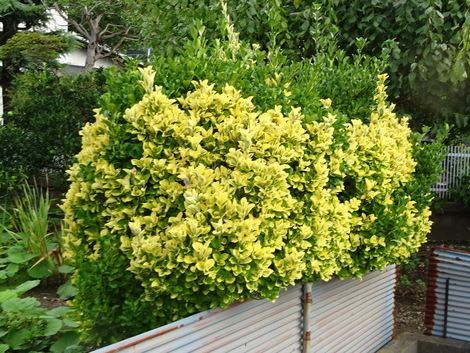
25, 327
30, 249
226, 174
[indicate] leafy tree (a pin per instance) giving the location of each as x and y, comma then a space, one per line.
429, 58
426, 41
32, 50
17, 15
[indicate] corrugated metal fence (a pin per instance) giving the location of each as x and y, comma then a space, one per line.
456, 165
448, 296
352, 316
343, 316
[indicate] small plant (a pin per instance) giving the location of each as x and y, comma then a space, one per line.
412, 263
26, 327
461, 193
407, 282
26, 237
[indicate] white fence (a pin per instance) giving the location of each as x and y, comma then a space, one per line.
456, 165
338, 316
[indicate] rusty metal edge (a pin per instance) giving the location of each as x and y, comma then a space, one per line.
431, 297
450, 249
431, 292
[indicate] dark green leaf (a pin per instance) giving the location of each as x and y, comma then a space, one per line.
65, 269
53, 326
18, 255
20, 304
26, 286
17, 338
41, 270
67, 340
67, 290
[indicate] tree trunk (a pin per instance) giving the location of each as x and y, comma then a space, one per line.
91, 52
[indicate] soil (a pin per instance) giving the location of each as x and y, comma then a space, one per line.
410, 297
47, 296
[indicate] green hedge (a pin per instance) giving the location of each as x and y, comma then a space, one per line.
189, 195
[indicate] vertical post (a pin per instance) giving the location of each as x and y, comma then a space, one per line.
307, 312
446, 310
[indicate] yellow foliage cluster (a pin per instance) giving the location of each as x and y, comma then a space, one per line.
219, 199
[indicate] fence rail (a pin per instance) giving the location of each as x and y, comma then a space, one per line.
456, 165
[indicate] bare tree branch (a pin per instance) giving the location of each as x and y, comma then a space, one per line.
124, 33
108, 26
80, 28
89, 28
99, 3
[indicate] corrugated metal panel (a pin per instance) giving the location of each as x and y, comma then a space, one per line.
353, 315
345, 316
449, 282
252, 326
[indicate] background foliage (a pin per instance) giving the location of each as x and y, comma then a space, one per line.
41, 134
26, 51
426, 41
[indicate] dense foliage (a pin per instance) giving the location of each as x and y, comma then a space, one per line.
430, 57
188, 195
17, 15
461, 193
41, 133
25, 51
426, 41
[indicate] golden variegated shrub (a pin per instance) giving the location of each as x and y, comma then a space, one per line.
187, 204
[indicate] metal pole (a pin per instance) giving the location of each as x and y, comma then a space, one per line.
307, 313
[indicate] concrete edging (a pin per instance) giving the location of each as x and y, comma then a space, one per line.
409, 342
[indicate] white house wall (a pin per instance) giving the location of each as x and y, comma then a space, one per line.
78, 58
55, 23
